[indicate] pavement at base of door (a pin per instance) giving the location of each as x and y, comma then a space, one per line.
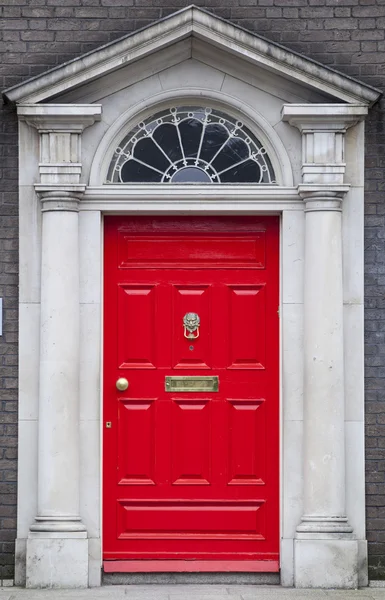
192, 592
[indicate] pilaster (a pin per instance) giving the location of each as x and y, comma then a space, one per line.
57, 545
326, 551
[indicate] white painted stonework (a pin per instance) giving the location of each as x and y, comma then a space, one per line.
310, 119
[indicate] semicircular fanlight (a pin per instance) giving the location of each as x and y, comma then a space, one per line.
190, 144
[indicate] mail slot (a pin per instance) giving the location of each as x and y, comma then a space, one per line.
192, 384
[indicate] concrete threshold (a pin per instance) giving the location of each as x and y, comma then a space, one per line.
191, 592
191, 578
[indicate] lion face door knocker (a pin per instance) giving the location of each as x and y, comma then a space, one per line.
191, 322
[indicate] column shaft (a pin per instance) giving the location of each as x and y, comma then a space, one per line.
324, 439
58, 472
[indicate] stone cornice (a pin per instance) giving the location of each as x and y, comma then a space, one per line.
192, 22
73, 118
323, 117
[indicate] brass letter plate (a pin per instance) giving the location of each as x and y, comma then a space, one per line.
192, 384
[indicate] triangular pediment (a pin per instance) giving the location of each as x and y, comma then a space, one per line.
190, 25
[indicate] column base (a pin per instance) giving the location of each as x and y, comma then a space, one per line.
326, 563
318, 526
57, 560
20, 558
58, 524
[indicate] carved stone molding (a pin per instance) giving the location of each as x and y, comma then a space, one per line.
60, 117
322, 198
60, 128
323, 128
60, 200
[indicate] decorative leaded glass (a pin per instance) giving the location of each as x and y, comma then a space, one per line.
190, 145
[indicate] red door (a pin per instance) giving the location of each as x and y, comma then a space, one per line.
191, 472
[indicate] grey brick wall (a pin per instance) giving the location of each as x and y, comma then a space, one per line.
8, 342
345, 34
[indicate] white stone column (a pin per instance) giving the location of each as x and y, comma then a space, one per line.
324, 444
58, 530
58, 488
57, 545
325, 550
326, 553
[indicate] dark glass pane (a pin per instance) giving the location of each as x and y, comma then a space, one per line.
146, 151
190, 144
190, 132
247, 172
215, 136
270, 171
234, 151
134, 172
191, 175
166, 136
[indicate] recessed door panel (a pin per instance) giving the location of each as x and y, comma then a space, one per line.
169, 520
191, 470
191, 447
194, 351
174, 250
136, 441
136, 327
247, 441
247, 327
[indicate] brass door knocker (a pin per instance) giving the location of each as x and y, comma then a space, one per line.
191, 322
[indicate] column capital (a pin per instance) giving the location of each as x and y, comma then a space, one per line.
323, 128
60, 128
322, 198
60, 199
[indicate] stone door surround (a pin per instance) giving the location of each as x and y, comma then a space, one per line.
310, 119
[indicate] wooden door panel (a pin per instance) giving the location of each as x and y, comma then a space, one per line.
247, 441
136, 304
191, 441
191, 475
197, 353
238, 251
168, 520
136, 441
247, 326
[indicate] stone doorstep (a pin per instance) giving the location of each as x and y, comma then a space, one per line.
191, 592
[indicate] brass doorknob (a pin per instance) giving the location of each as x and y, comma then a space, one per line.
121, 384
